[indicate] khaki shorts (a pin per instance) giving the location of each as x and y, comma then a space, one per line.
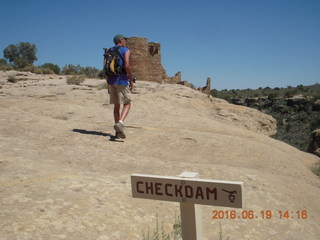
119, 94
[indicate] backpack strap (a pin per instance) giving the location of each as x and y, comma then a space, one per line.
116, 49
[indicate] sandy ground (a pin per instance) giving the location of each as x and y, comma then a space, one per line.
62, 176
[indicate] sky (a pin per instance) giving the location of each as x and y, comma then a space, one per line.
239, 44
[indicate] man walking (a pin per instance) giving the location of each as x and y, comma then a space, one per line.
120, 87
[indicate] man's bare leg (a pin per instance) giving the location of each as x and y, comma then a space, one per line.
119, 119
116, 112
125, 112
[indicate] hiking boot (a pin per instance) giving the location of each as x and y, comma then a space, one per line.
120, 130
116, 135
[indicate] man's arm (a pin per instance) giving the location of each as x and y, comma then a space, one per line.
128, 68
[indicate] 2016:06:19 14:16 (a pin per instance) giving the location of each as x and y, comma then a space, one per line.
264, 214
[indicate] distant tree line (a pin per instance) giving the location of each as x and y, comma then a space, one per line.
22, 56
270, 93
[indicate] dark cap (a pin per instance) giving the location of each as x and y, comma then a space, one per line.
118, 37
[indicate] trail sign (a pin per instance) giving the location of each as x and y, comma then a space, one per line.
187, 190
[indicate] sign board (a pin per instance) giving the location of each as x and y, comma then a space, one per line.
188, 190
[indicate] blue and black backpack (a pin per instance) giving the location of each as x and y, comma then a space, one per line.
113, 62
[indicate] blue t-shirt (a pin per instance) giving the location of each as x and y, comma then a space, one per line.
121, 79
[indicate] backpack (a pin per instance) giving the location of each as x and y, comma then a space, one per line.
112, 62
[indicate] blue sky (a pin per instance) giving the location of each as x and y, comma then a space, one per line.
238, 43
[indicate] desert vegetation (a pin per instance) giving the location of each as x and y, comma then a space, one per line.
158, 232
22, 56
296, 109
75, 79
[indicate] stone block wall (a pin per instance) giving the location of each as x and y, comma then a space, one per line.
145, 61
206, 89
138, 57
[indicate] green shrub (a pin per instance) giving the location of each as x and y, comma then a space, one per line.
6, 68
47, 71
70, 69
89, 72
75, 79
37, 70
273, 95
290, 93
53, 67
28, 68
12, 79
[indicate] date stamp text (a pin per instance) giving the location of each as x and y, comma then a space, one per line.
264, 214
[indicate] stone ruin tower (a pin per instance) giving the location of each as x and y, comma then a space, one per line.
206, 89
145, 61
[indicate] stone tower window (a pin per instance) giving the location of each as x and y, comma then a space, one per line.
153, 50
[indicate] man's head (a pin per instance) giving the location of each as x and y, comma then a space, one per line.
119, 39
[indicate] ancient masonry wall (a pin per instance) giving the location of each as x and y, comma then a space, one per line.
145, 61
206, 89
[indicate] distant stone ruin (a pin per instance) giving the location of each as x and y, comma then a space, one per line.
206, 89
145, 61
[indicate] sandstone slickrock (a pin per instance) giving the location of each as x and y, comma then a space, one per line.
62, 178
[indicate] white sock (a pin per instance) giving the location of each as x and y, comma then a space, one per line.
120, 122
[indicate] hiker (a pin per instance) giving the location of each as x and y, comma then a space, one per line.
120, 87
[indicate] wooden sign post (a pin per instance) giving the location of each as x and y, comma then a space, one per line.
190, 215
188, 190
